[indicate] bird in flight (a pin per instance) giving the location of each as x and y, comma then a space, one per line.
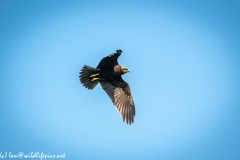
109, 74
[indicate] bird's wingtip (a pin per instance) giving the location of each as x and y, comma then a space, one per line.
119, 51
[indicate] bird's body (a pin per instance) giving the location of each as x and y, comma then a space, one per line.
109, 74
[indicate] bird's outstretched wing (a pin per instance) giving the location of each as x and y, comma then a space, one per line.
120, 94
109, 61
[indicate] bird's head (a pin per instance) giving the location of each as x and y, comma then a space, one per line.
124, 69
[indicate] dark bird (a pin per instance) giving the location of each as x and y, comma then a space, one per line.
109, 74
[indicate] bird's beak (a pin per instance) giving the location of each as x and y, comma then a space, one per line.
125, 70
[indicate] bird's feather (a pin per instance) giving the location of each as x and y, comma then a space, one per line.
122, 100
109, 61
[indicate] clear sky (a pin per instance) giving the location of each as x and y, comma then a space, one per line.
185, 72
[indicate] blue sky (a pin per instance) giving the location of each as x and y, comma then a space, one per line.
184, 62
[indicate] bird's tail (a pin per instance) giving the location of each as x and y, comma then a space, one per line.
89, 76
